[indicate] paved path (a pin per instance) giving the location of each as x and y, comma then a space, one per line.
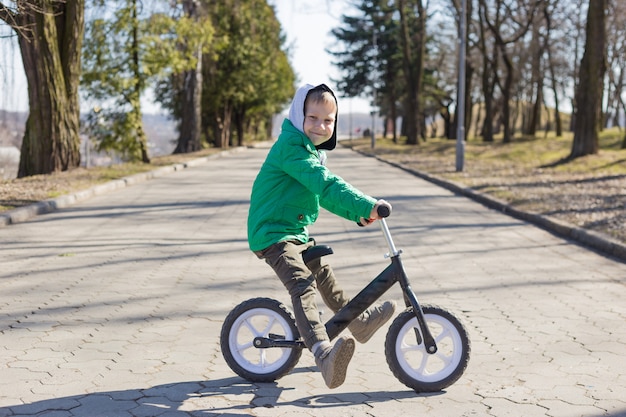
113, 306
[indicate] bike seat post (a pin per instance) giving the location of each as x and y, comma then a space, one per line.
392, 247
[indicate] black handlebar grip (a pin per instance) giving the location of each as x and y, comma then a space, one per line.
383, 211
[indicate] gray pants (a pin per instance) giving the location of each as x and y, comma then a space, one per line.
301, 280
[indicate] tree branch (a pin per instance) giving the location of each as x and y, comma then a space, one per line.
9, 16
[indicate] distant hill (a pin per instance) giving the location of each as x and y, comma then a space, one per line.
12, 128
162, 133
160, 130
356, 123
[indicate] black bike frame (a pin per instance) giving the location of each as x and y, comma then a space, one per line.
364, 299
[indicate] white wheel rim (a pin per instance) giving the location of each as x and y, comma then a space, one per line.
419, 364
258, 322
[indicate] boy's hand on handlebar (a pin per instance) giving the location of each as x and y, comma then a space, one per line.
376, 212
381, 210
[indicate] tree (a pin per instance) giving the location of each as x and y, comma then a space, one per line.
413, 44
50, 34
266, 78
179, 41
451, 129
190, 127
369, 58
186, 34
489, 72
248, 74
538, 46
548, 13
616, 60
588, 118
513, 19
114, 76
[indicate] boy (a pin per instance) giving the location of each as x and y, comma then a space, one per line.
286, 196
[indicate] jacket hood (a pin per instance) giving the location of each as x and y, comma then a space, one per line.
296, 113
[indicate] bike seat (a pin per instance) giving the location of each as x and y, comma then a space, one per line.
315, 252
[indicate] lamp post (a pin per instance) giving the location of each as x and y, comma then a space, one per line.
460, 105
374, 94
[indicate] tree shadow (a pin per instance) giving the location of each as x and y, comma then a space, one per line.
566, 160
562, 161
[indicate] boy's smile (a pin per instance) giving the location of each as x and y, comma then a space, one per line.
319, 121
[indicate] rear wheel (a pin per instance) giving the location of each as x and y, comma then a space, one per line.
412, 365
259, 317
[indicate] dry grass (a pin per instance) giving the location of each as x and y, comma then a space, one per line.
589, 192
20, 192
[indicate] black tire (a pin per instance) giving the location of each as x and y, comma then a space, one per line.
258, 317
412, 365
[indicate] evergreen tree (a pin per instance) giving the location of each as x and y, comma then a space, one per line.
369, 58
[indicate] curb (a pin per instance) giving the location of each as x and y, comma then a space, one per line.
590, 239
25, 213
593, 240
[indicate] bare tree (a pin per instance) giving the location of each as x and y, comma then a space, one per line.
537, 50
412, 41
514, 17
552, 63
489, 73
616, 61
590, 88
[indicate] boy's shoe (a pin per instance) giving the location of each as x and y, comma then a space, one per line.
364, 326
334, 363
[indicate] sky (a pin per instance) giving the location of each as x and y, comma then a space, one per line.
306, 23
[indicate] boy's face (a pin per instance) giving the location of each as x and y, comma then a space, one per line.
319, 121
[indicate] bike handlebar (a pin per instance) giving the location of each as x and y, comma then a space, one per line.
383, 211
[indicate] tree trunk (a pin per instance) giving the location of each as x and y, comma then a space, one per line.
488, 79
221, 126
413, 61
624, 112
557, 114
135, 99
191, 114
239, 116
589, 92
190, 123
50, 38
537, 78
506, 98
444, 113
393, 114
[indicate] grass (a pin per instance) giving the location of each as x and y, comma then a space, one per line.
527, 154
530, 174
19, 192
527, 173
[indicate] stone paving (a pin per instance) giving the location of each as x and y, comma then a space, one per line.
112, 306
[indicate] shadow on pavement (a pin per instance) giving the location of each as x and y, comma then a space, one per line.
222, 397
218, 397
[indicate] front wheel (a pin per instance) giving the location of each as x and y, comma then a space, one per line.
259, 317
408, 359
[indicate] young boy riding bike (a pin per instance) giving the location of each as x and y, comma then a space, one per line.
286, 197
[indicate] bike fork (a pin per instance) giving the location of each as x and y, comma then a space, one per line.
411, 301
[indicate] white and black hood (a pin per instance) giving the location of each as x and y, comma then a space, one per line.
296, 113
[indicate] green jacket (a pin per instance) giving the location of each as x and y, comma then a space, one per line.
290, 188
